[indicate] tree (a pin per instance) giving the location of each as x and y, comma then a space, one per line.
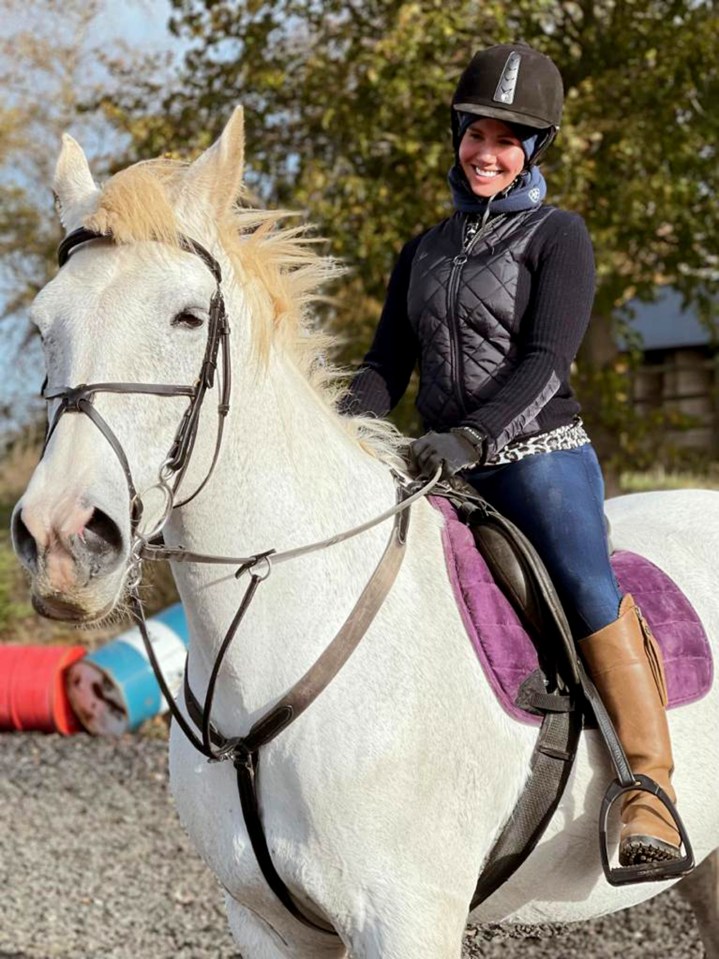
348, 117
51, 64
41, 54
640, 165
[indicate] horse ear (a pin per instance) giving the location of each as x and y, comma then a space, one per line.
75, 189
216, 175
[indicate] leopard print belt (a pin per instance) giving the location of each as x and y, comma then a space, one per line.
568, 437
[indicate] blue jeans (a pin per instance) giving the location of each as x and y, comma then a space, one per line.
557, 500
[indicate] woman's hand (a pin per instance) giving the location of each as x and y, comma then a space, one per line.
453, 451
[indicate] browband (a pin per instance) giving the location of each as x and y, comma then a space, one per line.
83, 235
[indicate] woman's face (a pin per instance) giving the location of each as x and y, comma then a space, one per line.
491, 156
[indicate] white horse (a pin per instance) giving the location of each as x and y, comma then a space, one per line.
382, 801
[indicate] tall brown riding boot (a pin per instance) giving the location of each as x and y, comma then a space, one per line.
624, 660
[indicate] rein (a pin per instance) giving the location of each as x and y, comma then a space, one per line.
178, 554
243, 751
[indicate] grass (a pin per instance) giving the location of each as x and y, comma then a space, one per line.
662, 479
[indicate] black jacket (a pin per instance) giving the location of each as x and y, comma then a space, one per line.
495, 327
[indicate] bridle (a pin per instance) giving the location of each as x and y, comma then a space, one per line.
243, 751
79, 399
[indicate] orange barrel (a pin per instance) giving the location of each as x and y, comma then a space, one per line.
33, 692
66, 722
9, 655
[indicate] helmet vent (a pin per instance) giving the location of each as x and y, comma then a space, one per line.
508, 80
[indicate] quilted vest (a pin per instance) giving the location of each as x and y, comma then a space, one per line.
461, 305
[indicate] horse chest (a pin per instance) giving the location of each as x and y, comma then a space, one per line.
205, 796
208, 804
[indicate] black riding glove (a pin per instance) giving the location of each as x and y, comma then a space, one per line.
454, 451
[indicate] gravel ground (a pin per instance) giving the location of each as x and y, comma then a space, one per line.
94, 865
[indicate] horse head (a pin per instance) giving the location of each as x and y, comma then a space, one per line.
131, 308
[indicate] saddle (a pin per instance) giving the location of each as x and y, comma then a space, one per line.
559, 691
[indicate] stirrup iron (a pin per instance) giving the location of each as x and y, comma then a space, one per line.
646, 871
626, 781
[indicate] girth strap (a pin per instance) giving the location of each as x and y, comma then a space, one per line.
244, 751
499, 540
247, 788
551, 764
550, 629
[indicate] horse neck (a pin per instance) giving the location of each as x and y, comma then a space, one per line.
288, 475
288, 469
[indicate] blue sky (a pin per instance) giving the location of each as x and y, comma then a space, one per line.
141, 24
141, 21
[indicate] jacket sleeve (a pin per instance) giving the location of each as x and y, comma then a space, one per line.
382, 378
551, 330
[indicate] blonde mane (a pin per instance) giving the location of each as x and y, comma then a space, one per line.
281, 273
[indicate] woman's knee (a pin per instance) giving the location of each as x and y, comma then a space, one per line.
592, 603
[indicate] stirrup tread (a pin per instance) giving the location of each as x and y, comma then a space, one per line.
644, 849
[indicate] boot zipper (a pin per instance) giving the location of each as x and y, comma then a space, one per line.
653, 655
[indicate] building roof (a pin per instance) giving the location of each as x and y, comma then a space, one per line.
664, 325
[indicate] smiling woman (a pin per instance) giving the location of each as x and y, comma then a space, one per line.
493, 303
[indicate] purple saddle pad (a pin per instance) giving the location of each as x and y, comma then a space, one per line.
506, 651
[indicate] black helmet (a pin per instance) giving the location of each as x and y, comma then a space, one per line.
514, 83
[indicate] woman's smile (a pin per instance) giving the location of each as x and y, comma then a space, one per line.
486, 173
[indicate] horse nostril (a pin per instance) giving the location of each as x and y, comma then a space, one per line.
23, 541
101, 534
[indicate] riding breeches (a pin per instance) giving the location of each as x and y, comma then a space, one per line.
557, 500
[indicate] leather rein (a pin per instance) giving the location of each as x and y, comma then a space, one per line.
242, 751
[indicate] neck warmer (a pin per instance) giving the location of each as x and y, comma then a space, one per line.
525, 193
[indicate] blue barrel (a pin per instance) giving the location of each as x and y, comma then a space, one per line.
113, 690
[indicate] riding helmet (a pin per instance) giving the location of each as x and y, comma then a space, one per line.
514, 83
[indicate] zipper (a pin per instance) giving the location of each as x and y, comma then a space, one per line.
457, 368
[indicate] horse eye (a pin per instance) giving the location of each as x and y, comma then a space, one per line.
185, 318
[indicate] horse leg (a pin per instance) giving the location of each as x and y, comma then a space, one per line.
406, 931
258, 939
701, 890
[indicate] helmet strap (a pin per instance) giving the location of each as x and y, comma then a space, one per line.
544, 145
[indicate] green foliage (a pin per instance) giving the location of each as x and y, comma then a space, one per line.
348, 117
38, 58
659, 478
11, 608
52, 62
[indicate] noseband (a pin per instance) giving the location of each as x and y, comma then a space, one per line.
80, 399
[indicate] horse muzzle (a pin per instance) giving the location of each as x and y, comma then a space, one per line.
76, 556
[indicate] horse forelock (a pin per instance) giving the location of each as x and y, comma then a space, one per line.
281, 273
138, 204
